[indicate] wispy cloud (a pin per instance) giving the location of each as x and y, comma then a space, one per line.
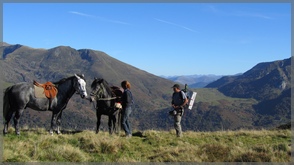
99, 18
255, 15
216, 10
174, 24
81, 14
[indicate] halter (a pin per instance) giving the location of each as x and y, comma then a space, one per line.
99, 92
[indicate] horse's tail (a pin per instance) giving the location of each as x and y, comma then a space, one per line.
6, 103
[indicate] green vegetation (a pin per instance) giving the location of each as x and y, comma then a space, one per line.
36, 145
215, 97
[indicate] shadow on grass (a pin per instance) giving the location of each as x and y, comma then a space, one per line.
38, 131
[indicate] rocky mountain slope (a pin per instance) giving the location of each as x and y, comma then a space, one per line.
264, 81
269, 83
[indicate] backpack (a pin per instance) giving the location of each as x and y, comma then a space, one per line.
185, 93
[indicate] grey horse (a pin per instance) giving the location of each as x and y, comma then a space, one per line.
22, 95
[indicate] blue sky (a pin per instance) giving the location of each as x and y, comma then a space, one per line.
160, 38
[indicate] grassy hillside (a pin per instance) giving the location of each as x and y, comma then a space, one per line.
36, 145
212, 111
214, 96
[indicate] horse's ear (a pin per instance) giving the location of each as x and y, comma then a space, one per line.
77, 76
95, 78
83, 76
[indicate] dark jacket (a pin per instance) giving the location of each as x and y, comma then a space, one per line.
127, 99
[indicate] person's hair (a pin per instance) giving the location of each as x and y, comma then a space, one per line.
125, 84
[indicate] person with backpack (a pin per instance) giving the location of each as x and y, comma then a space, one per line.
179, 100
127, 102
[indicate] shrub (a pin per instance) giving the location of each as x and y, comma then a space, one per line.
215, 152
253, 157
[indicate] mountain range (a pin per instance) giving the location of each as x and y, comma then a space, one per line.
259, 98
194, 81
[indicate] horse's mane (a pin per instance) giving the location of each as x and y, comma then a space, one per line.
65, 79
93, 85
104, 82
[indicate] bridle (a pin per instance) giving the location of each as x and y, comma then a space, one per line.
98, 94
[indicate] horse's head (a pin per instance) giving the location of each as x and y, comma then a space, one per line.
80, 86
96, 88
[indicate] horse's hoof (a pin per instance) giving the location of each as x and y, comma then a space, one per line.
17, 133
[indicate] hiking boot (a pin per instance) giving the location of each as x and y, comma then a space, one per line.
128, 136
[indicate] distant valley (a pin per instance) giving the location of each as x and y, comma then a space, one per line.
194, 81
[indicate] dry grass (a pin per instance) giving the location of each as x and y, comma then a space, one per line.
36, 145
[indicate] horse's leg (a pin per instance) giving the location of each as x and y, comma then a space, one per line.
110, 125
114, 121
16, 118
7, 120
98, 121
53, 122
118, 121
59, 123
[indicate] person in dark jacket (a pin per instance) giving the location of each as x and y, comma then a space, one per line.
127, 102
179, 100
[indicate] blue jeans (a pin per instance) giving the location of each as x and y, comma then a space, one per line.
125, 120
